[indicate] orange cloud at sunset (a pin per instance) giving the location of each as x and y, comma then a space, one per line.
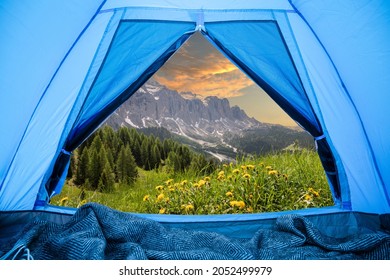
207, 73
198, 67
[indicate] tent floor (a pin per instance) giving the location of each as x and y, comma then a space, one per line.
98, 232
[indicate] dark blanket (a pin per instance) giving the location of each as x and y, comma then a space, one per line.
98, 232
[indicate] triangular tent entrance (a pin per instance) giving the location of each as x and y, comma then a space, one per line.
324, 63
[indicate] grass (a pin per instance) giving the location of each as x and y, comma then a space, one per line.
277, 182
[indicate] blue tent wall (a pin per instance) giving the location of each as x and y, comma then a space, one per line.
36, 38
356, 38
341, 53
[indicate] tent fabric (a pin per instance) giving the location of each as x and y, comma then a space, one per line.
123, 70
269, 63
57, 86
98, 232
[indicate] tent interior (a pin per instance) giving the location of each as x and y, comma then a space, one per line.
323, 62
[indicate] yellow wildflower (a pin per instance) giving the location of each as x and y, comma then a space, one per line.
251, 166
269, 167
221, 177
243, 167
64, 201
246, 176
160, 197
146, 197
82, 202
315, 193
261, 164
273, 172
221, 173
239, 204
229, 194
168, 182
196, 185
225, 165
189, 207
159, 188
207, 179
162, 211
236, 171
249, 209
308, 197
184, 182
230, 177
201, 183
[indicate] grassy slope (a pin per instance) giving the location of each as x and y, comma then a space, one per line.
282, 181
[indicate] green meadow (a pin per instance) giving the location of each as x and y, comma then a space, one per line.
279, 181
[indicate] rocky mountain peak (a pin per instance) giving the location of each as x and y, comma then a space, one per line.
209, 122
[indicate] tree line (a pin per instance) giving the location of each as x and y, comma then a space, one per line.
113, 156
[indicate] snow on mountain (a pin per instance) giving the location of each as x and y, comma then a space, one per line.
205, 122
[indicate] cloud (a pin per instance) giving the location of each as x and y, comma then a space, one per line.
200, 68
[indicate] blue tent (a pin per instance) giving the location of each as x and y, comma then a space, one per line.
67, 65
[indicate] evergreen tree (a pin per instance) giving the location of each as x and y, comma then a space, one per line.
110, 158
107, 179
173, 162
126, 167
82, 167
155, 156
132, 170
124, 135
94, 169
98, 160
185, 157
116, 145
145, 154
167, 147
97, 143
136, 151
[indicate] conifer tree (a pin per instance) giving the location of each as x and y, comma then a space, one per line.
126, 167
136, 151
145, 154
124, 135
94, 168
110, 157
155, 156
82, 167
97, 162
107, 179
173, 162
132, 171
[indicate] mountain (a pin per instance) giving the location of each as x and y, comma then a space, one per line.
210, 123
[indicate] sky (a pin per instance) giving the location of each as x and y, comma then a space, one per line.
200, 68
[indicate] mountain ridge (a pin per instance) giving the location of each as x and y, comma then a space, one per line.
210, 122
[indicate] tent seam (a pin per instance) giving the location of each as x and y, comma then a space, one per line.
194, 10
